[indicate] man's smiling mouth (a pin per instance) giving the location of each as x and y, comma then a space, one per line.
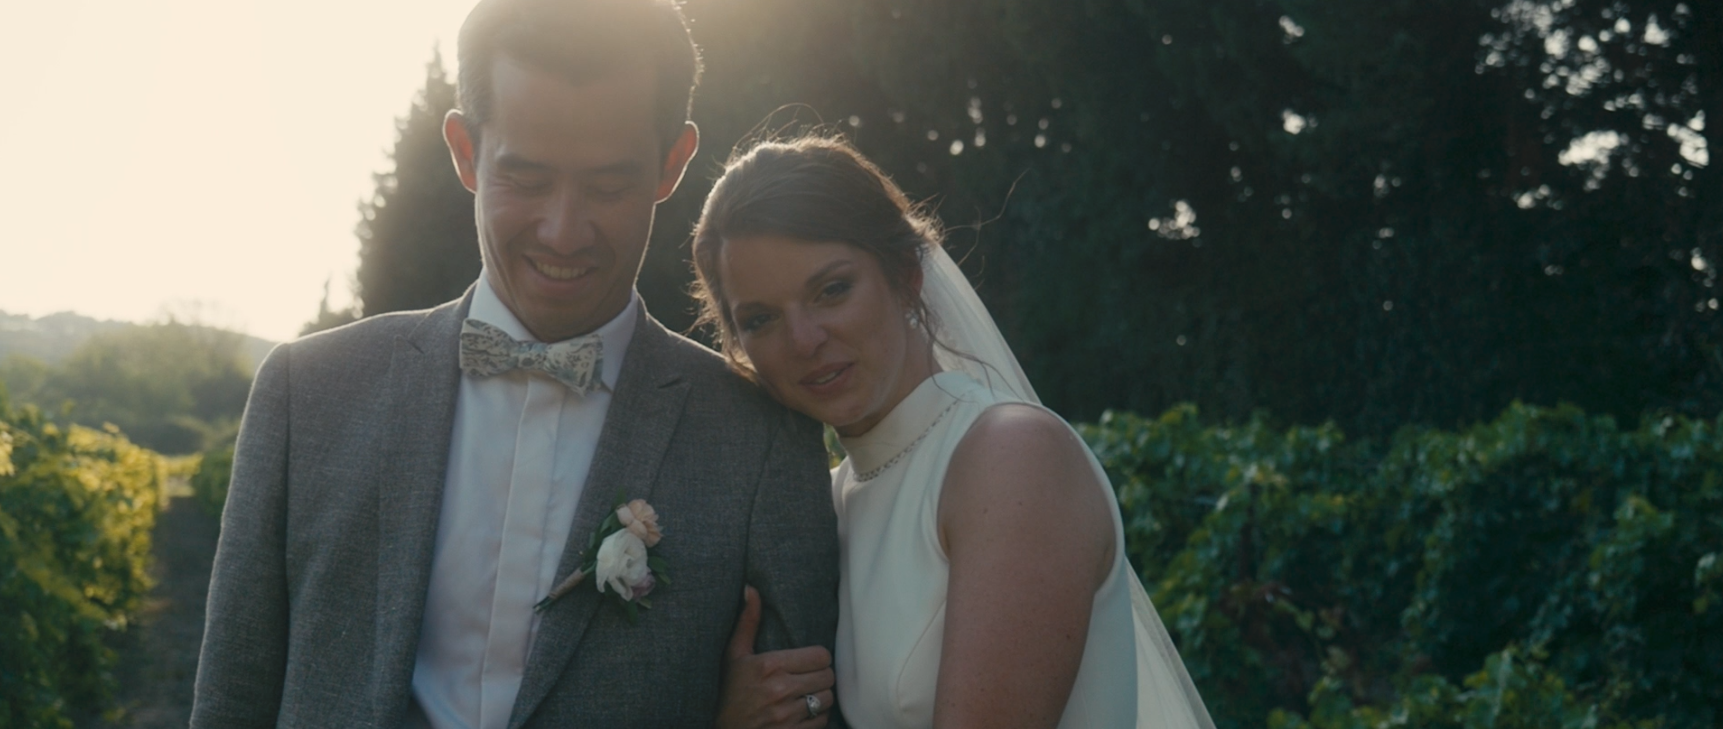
558, 273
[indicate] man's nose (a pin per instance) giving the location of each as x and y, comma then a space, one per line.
567, 224
807, 333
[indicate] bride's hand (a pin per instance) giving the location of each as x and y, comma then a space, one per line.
772, 689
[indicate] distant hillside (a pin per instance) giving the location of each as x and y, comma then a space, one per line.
53, 337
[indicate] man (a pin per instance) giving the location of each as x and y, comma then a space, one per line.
408, 487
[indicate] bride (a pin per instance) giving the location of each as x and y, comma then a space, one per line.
983, 577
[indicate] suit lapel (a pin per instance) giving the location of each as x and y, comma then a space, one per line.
637, 430
419, 413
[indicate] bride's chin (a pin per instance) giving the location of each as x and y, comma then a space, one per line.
822, 412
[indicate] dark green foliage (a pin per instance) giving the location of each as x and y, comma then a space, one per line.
1415, 253
1550, 549
417, 244
1377, 268
210, 481
1510, 692
172, 387
76, 510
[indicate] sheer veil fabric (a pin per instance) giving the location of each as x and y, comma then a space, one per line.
970, 343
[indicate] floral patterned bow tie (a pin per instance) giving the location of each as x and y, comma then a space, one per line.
487, 351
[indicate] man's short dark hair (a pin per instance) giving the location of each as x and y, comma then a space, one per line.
580, 40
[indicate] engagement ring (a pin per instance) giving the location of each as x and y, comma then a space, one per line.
813, 705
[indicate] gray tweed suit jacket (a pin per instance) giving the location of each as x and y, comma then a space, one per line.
318, 593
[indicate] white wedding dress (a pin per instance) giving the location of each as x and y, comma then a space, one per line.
893, 572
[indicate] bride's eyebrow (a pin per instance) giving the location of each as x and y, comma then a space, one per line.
826, 271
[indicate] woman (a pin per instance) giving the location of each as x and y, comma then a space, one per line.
983, 577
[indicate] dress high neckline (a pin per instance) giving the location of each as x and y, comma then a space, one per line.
906, 423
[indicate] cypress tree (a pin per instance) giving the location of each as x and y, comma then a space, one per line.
417, 244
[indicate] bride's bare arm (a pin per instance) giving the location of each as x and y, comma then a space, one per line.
1029, 535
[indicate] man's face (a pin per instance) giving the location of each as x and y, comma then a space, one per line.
566, 179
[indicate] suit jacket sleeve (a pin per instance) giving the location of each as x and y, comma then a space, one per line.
244, 656
793, 541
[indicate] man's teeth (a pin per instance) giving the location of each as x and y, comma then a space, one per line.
559, 273
827, 378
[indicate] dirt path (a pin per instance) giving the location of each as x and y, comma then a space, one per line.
158, 659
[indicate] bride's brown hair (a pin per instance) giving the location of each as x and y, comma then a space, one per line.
813, 188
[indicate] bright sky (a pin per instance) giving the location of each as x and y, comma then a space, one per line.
200, 155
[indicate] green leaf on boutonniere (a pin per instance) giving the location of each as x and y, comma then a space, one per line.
632, 610
660, 568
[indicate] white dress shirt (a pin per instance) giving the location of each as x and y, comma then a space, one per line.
518, 459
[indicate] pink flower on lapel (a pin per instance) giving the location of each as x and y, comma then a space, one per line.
639, 518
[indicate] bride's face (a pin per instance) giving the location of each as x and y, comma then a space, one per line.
823, 328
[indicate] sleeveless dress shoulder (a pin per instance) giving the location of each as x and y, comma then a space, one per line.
892, 589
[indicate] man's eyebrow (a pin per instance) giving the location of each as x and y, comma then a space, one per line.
516, 163
624, 167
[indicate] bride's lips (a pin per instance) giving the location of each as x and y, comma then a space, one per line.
828, 379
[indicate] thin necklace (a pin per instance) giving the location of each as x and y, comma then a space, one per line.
874, 473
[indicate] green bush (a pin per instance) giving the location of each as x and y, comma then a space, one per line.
1301, 572
1511, 692
170, 387
76, 509
209, 481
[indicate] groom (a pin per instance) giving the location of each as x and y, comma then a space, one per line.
406, 488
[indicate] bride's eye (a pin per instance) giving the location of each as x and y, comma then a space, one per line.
753, 323
835, 288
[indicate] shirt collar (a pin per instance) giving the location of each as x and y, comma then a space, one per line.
615, 334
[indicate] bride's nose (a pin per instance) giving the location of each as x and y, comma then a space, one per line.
806, 333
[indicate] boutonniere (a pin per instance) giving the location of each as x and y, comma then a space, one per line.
620, 555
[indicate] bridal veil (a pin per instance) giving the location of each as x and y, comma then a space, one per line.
970, 342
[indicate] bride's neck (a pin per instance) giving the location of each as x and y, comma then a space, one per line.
919, 365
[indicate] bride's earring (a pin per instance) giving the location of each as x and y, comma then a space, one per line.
913, 318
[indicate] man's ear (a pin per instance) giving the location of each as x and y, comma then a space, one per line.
676, 160
460, 141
